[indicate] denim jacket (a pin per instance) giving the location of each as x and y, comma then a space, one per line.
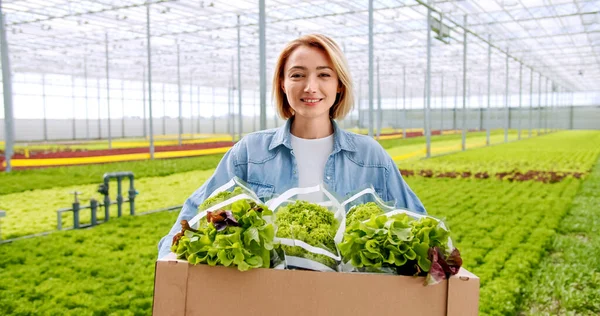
266, 161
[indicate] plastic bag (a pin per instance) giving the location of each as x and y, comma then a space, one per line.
232, 228
308, 233
382, 239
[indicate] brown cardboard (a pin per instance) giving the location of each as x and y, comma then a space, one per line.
183, 289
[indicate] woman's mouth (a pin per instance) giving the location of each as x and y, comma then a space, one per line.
311, 101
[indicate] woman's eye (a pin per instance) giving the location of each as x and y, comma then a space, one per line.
296, 76
325, 75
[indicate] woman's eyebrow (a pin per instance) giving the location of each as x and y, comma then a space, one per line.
304, 68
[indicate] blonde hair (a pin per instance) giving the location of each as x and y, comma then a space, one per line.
343, 102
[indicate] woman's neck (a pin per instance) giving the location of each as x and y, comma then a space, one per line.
311, 128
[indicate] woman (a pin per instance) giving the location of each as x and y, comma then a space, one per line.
311, 88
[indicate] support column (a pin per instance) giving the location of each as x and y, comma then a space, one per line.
164, 104
520, 96
404, 102
144, 100
442, 107
371, 66
464, 114
428, 88
73, 127
9, 128
506, 101
123, 108
44, 107
149, 47
539, 104
263, 64
489, 93
180, 125
99, 110
108, 91
239, 75
379, 118
87, 114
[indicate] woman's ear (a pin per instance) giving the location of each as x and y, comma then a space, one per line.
282, 87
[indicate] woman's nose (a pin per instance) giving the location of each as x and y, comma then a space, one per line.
311, 84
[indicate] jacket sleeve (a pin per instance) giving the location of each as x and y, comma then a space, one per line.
400, 192
228, 168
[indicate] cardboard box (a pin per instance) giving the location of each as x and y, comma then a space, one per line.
184, 289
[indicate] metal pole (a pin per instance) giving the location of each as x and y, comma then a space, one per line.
44, 107
428, 89
480, 105
263, 64
455, 106
404, 102
144, 99
123, 108
379, 116
520, 96
396, 112
464, 114
229, 127
489, 95
232, 101
108, 92
164, 104
571, 110
214, 115
547, 106
149, 80
442, 107
87, 115
371, 66
239, 62
179, 95
191, 108
99, 110
553, 102
530, 100
254, 110
198, 118
73, 127
539, 103
359, 104
506, 112
9, 128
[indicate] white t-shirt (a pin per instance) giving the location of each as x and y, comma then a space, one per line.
311, 157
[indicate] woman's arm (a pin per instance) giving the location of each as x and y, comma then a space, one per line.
228, 168
399, 191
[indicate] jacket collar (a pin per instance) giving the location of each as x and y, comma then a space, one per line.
342, 140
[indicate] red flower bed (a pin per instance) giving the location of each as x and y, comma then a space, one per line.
531, 175
117, 151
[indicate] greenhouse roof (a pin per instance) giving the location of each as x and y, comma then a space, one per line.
559, 39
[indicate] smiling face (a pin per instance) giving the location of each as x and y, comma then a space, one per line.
310, 83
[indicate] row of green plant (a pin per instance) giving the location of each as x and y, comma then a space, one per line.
567, 151
502, 230
568, 279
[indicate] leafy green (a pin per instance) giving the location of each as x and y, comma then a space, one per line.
311, 223
219, 197
397, 242
240, 237
362, 212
